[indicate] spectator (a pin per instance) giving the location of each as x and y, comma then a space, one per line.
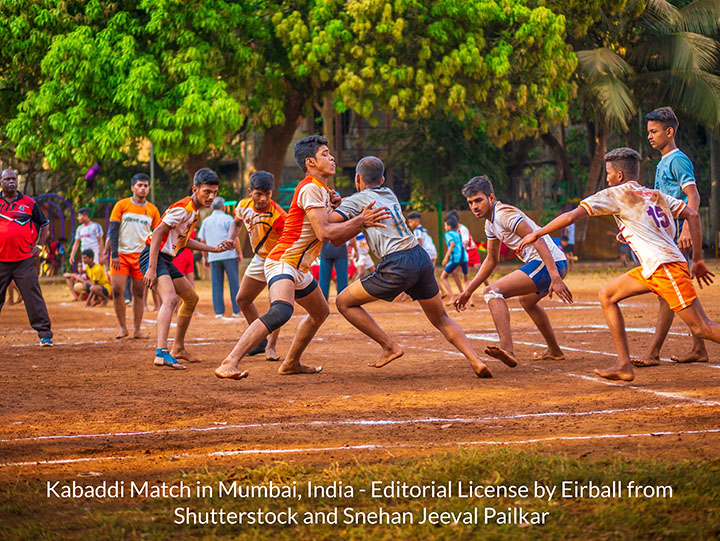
331, 256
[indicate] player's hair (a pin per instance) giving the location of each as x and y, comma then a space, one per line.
565, 238
218, 203
84, 211
205, 176
664, 115
307, 147
137, 177
262, 180
453, 212
88, 253
452, 221
414, 215
371, 170
626, 160
479, 184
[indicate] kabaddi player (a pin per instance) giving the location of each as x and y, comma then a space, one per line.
543, 271
156, 262
646, 220
131, 222
405, 267
287, 267
264, 220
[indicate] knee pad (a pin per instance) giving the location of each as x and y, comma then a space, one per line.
189, 302
492, 294
280, 313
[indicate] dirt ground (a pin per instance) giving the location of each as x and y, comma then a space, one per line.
94, 405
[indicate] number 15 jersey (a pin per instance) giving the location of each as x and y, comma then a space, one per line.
645, 218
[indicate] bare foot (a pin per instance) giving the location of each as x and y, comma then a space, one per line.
691, 357
387, 357
299, 368
225, 371
139, 335
122, 333
271, 355
617, 374
185, 355
480, 369
644, 362
548, 355
500, 354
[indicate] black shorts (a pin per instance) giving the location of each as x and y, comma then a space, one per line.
568, 249
409, 271
164, 264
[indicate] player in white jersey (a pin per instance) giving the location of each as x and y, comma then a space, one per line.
543, 271
645, 218
404, 268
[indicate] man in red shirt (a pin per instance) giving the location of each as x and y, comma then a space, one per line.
23, 232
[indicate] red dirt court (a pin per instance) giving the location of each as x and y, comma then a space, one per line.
95, 405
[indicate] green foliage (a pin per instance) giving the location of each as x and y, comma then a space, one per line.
439, 158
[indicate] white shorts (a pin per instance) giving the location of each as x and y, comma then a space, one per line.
275, 269
364, 261
256, 269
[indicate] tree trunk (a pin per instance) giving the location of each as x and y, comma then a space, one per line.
193, 162
597, 167
561, 159
714, 187
276, 139
328, 118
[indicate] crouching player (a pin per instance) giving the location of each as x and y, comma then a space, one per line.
645, 218
543, 272
405, 268
156, 263
264, 220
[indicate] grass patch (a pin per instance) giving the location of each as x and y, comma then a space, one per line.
692, 511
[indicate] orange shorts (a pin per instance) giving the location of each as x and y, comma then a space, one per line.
129, 266
672, 282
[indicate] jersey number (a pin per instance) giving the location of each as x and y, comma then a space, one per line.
661, 219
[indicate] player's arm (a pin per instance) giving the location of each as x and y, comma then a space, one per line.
75, 246
486, 269
101, 244
201, 246
685, 242
699, 270
559, 222
451, 247
234, 229
339, 231
114, 238
557, 285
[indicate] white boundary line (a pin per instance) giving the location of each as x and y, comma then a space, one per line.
358, 422
239, 452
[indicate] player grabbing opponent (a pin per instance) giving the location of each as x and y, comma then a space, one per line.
156, 262
405, 268
264, 220
287, 267
543, 271
645, 218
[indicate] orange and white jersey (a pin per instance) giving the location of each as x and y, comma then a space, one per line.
298, 245
645, 218
181, 218
503, 224
136, 223
264, 227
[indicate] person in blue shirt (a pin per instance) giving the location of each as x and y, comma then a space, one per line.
456, 256
674, 176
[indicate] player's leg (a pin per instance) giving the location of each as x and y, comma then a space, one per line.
137, 288
349, 304
118, 282
312, 299
537, 313
282, 296
700, 325
251, 286
623, 287
170, 300
70, 279
662, 326
453, 333
515, 284
189, 297
24, 273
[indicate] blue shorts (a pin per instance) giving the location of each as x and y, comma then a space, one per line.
538, 273
409, 271
450, 267
164, 264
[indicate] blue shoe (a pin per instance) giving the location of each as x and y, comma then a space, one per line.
167, 360
46, 342
257, 350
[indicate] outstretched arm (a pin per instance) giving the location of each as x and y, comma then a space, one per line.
559, 222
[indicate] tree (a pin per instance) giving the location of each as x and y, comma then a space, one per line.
133, 70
